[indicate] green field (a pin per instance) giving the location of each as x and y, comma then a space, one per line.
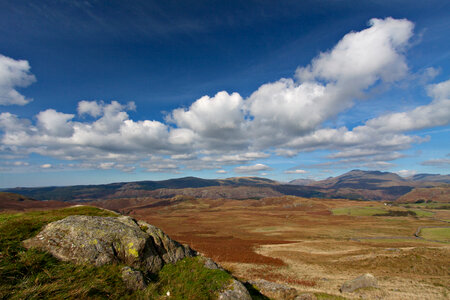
357, 211
422, 213
436, 234
372, 211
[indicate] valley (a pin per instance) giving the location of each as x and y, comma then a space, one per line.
313, 245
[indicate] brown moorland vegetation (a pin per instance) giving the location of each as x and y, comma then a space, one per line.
314, 245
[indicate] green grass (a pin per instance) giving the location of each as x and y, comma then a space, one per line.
422, 213
436, 234
33, 274
357, 211
404, 241
434, 205
325, 296
188, 279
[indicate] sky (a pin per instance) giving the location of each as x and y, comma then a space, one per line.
101, 91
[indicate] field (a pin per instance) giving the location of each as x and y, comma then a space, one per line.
315, 245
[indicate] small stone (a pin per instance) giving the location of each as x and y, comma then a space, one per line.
235, 291
210, 264
274, 290
133, 279
306, 296
364, 281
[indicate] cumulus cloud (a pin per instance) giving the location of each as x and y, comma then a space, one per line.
212, 122
55, 123
252, 169
284, 118
13, 74
406, 173
92, 108
329, 85
46, 166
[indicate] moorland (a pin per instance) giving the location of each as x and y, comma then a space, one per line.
314, 244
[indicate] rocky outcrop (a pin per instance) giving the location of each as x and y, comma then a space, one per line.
103, 240
235, 291
363, 281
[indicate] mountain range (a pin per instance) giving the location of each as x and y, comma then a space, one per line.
356, 185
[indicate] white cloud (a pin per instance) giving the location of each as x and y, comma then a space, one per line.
284, 117
363, 57
55, 123
329, 85
213, 123
438, 162
46, 166
221, 172
13, 74
92, 108
252, 169
297, 171
406, 173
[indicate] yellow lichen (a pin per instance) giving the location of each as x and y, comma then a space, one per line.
132, 251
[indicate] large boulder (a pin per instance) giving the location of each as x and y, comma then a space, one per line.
103, 240
363, 281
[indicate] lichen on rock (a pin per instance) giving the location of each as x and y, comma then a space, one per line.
103, 240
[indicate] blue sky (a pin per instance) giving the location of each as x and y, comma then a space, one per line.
106, 91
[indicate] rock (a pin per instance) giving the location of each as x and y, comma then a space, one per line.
103, 240
210, 264
134, 280
363, 281
170, 251
274, 290
235, 291
306, 296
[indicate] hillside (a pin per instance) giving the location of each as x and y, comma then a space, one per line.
16, 202
133, 189
430, 178
435, 194
374, 185
356, 185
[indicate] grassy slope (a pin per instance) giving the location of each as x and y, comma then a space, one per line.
32, 274
436, 234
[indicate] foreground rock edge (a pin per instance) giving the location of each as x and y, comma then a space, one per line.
142, 247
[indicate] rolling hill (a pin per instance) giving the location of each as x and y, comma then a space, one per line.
356, 185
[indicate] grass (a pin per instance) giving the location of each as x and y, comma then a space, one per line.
374, 211
188, 279
436, 234
422, 213
325, 296
33, 274
357, 211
